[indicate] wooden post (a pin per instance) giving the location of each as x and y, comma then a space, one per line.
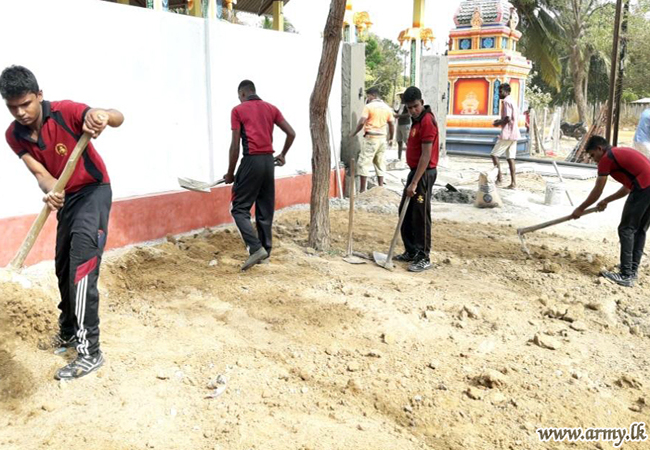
614, 69
619, 78
278, 16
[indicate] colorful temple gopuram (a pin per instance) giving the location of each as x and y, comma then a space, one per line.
483, 55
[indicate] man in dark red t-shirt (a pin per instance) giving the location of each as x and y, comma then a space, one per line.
43, 136
632, 170
252, 123
422, 151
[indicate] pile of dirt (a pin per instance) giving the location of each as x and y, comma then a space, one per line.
378, 200
30, 312
16, 382
308, 352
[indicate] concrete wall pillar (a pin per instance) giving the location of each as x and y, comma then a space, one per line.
353, 73
434, 86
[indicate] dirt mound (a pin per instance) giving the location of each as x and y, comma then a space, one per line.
377, 200
16, 382
474, 354
30, 313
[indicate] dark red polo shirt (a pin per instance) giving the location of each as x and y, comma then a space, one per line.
423, 130
627, 166
62, 127
255, 119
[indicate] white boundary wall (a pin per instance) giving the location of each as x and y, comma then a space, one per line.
152, 66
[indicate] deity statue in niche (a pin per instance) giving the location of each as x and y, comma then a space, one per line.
470, 104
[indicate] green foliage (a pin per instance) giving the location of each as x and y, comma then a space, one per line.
629, 96
267, 24
535, 95
384, 65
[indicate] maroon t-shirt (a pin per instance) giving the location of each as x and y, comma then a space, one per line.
62, 128
423, 130
627, 166
255, 119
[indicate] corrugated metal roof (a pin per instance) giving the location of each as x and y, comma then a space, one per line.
251, 6
255, 6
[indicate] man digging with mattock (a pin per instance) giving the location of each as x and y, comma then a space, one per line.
632, 170
43, 136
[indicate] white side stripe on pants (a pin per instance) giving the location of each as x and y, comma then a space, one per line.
80, 312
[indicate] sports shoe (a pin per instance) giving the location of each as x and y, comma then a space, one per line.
256, 257
82, 366
620, 279
59, 343
404, 257
420, 265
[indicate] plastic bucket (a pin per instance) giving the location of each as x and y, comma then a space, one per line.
555, 193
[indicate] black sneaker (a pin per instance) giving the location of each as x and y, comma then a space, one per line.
420, 265
58, 343
82, 366
256, 257
620, 279
404, 257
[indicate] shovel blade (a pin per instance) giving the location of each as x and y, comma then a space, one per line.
194, 185
381, 259
353, 260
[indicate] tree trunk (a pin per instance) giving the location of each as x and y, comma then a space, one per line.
578, 66
321, 163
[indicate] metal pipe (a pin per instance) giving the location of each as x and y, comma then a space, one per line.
523, 158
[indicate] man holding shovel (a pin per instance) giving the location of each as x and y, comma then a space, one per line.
422, 158
252, 123
43, 136
632, 170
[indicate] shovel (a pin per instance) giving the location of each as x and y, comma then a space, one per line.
198, 186
386, 261
204, 186
37, 226
349, 257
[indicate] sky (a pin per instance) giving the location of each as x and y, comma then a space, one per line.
389, 17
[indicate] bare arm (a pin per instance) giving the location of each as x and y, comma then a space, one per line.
423, 164
46, 182
360, 125
97, 119
622, 192
594, 195
391, 130
233, 156
291, 136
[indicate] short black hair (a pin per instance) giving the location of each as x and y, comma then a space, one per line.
246, 85
373, 91
16, 81
506, 87
596, 141
412, 94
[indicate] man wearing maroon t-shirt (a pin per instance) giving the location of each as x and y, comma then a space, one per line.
632, 170
422, 151
252, 124
43, 136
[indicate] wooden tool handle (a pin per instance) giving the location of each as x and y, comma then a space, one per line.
550, 223
351, 215
38, 224
389, 258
